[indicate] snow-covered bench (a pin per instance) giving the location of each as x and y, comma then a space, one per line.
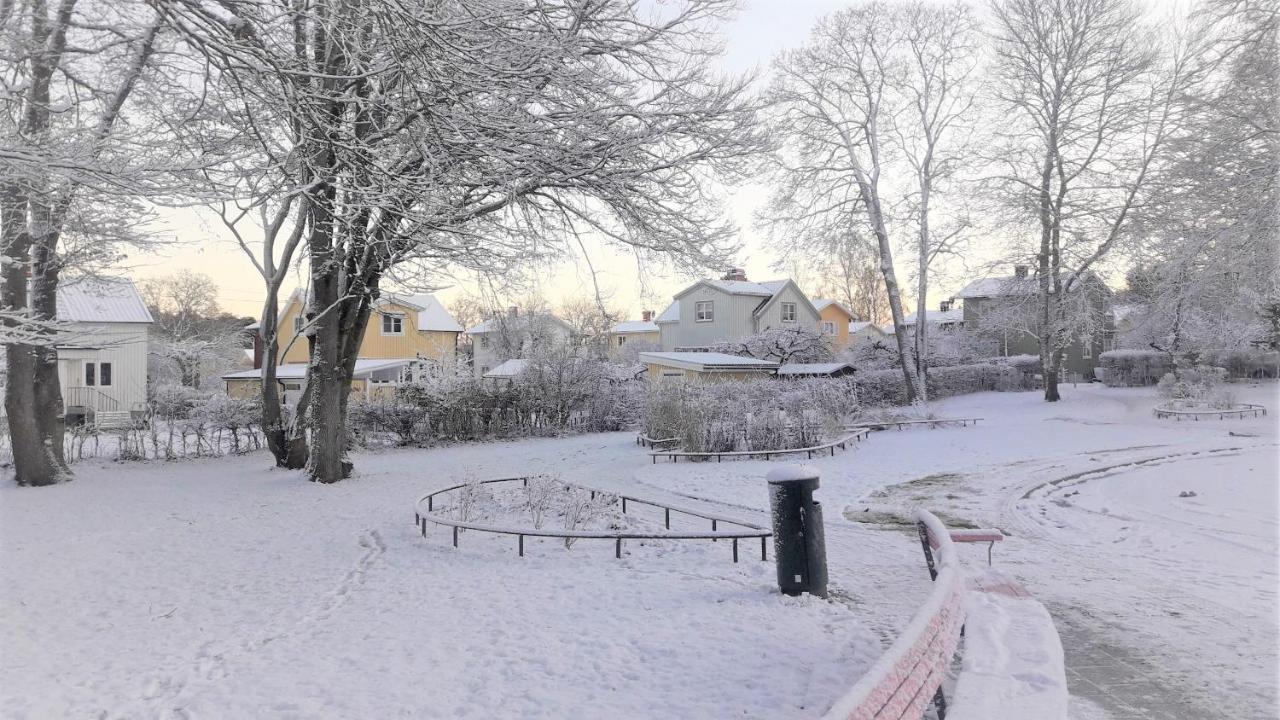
1012, 664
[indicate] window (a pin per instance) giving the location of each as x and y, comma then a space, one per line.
392, 323
90, 376
297, 323
1086, 345
484, 341
484, 369
104, 374
828, 327
622, 340
704, 311
788, 312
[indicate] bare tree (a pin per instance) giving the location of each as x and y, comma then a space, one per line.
475, 134
783, 345
191, 330
1087, 107
68, 73
866, 110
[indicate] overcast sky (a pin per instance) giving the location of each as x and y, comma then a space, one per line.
761, 30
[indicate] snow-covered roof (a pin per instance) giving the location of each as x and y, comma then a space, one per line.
823, 303
813, 368
294, 371
101, 300
856, 326
937, 317
706, 361
432, 314
634, 326
671, 314
1012, 285
746, 287
508, 369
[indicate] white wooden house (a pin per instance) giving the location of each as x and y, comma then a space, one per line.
102, 360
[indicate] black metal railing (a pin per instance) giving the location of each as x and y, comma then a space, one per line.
425, 513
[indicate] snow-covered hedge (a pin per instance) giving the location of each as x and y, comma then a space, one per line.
1134, 368
1241, 364
887, 387
584, 397
747, 414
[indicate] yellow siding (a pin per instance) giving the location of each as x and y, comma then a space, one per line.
659, 372
651, 341
833, 313
438, 346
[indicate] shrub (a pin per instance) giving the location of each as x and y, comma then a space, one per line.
1134, 368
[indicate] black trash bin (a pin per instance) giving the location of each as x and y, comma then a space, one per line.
799, 546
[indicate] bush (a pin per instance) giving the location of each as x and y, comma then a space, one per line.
1134, 368
1200, 386
888, 387
1245, 364
734, 415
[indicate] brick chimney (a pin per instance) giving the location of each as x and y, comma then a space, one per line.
647, 315
735, 274
1020, 272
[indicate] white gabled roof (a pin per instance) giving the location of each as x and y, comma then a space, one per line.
856, 326
432, 314
101, 300
706, 361
294, 371
822, 303
508, 369
634, 326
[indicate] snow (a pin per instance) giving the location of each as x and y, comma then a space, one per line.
700, 360
222, 588
432, 315
508, 369
293, 371
937, 317
1012, 662
671, 314
634, 326
812, 368
792, 473
101, 300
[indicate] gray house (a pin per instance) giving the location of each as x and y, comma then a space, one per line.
1003, 311
514, 336
732, 309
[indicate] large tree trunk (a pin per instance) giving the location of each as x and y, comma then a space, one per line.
37, 457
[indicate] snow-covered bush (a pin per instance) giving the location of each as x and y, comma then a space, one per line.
887, 387
1200, 386
763, 414
1240, 364
1134, 368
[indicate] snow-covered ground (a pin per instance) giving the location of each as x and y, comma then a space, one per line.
221, 588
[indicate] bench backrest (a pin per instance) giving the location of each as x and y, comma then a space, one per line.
904, 679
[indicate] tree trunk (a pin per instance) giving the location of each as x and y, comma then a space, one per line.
37, 458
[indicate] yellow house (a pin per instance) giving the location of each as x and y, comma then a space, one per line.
400, 326
406, 336
834, 320
703, 366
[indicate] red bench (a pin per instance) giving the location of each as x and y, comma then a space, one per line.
1003, 676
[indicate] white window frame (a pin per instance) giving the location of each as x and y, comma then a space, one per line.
91, 374
788, 309
704, 311
622, 340
394, 319
1086, 348
484, 341
828, 327
106, 379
